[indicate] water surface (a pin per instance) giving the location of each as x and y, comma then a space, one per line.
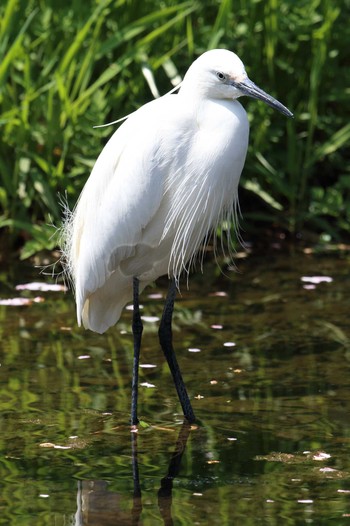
265, 354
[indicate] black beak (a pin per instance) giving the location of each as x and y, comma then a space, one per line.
247, 87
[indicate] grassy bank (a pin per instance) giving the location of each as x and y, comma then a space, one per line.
67, 67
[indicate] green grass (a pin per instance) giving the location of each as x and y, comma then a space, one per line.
66, 67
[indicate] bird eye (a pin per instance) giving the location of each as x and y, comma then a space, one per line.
220, 75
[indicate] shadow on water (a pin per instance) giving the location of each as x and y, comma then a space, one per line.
265, 355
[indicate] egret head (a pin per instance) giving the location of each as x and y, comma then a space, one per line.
219, 73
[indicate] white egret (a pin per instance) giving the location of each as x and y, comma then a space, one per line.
161, 185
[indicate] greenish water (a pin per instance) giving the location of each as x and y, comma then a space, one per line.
266, 359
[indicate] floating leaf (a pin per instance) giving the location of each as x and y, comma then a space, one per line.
43, 287
20, 302
150, 319
316, 279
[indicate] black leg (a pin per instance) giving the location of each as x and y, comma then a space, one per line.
165, 338
137, 333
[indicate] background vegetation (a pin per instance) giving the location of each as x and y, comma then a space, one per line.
66, 66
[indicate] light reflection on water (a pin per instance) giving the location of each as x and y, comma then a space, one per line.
266, 360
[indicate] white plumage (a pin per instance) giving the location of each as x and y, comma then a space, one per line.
162, 183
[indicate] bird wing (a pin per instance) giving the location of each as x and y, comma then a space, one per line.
123, 193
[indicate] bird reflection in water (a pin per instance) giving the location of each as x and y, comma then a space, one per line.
97, 506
